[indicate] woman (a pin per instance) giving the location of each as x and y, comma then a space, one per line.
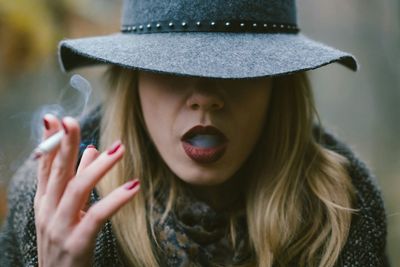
215, 121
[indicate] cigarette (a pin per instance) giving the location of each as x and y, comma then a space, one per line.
48, 145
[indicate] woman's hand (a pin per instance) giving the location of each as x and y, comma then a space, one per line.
66, 233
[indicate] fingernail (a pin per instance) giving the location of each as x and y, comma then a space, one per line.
131, 184
46, 124
36, 155
114, 148
90, 146
64, 126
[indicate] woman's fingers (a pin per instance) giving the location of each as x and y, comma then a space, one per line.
61, 192
51, 126
88, 156
63, 167
96, 216
80, 187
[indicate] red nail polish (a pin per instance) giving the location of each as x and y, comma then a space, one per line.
37, 155
131, 184
46, 124
90, 146
114, 148
65, 127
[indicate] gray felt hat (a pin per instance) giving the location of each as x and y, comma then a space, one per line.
207, 38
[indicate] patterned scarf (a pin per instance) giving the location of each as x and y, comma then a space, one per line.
194, 234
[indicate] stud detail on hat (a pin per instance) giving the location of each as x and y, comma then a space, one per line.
211, 26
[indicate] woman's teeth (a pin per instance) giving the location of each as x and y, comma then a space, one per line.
204, 140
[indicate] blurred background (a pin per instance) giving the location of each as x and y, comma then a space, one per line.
361, 108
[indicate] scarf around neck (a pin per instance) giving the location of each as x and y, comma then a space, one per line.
194, 234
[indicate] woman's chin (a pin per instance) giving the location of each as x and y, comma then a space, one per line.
203, 177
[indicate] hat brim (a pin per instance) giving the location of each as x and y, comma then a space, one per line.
214, 55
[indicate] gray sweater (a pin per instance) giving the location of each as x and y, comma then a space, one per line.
365, 245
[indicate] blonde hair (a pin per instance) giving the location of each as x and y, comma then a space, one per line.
298, 197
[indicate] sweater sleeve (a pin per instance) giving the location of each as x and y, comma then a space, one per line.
18, 233
366, 243
367, 239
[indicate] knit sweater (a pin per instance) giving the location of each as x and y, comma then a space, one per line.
365, 245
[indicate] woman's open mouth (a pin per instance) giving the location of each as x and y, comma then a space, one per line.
204, 144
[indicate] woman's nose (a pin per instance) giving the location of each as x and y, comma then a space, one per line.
205, 99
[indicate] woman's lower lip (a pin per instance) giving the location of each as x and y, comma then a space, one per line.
204, 155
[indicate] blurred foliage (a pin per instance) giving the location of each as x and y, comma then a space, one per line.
28, 33
30, 30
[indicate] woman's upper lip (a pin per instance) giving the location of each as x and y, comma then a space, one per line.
203, 129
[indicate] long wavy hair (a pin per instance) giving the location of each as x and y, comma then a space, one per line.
299, 195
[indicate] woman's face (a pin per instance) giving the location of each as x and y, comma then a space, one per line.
204, 129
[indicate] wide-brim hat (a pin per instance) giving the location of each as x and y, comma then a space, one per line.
207, 38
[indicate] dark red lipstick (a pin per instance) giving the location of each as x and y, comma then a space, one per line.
204, 144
